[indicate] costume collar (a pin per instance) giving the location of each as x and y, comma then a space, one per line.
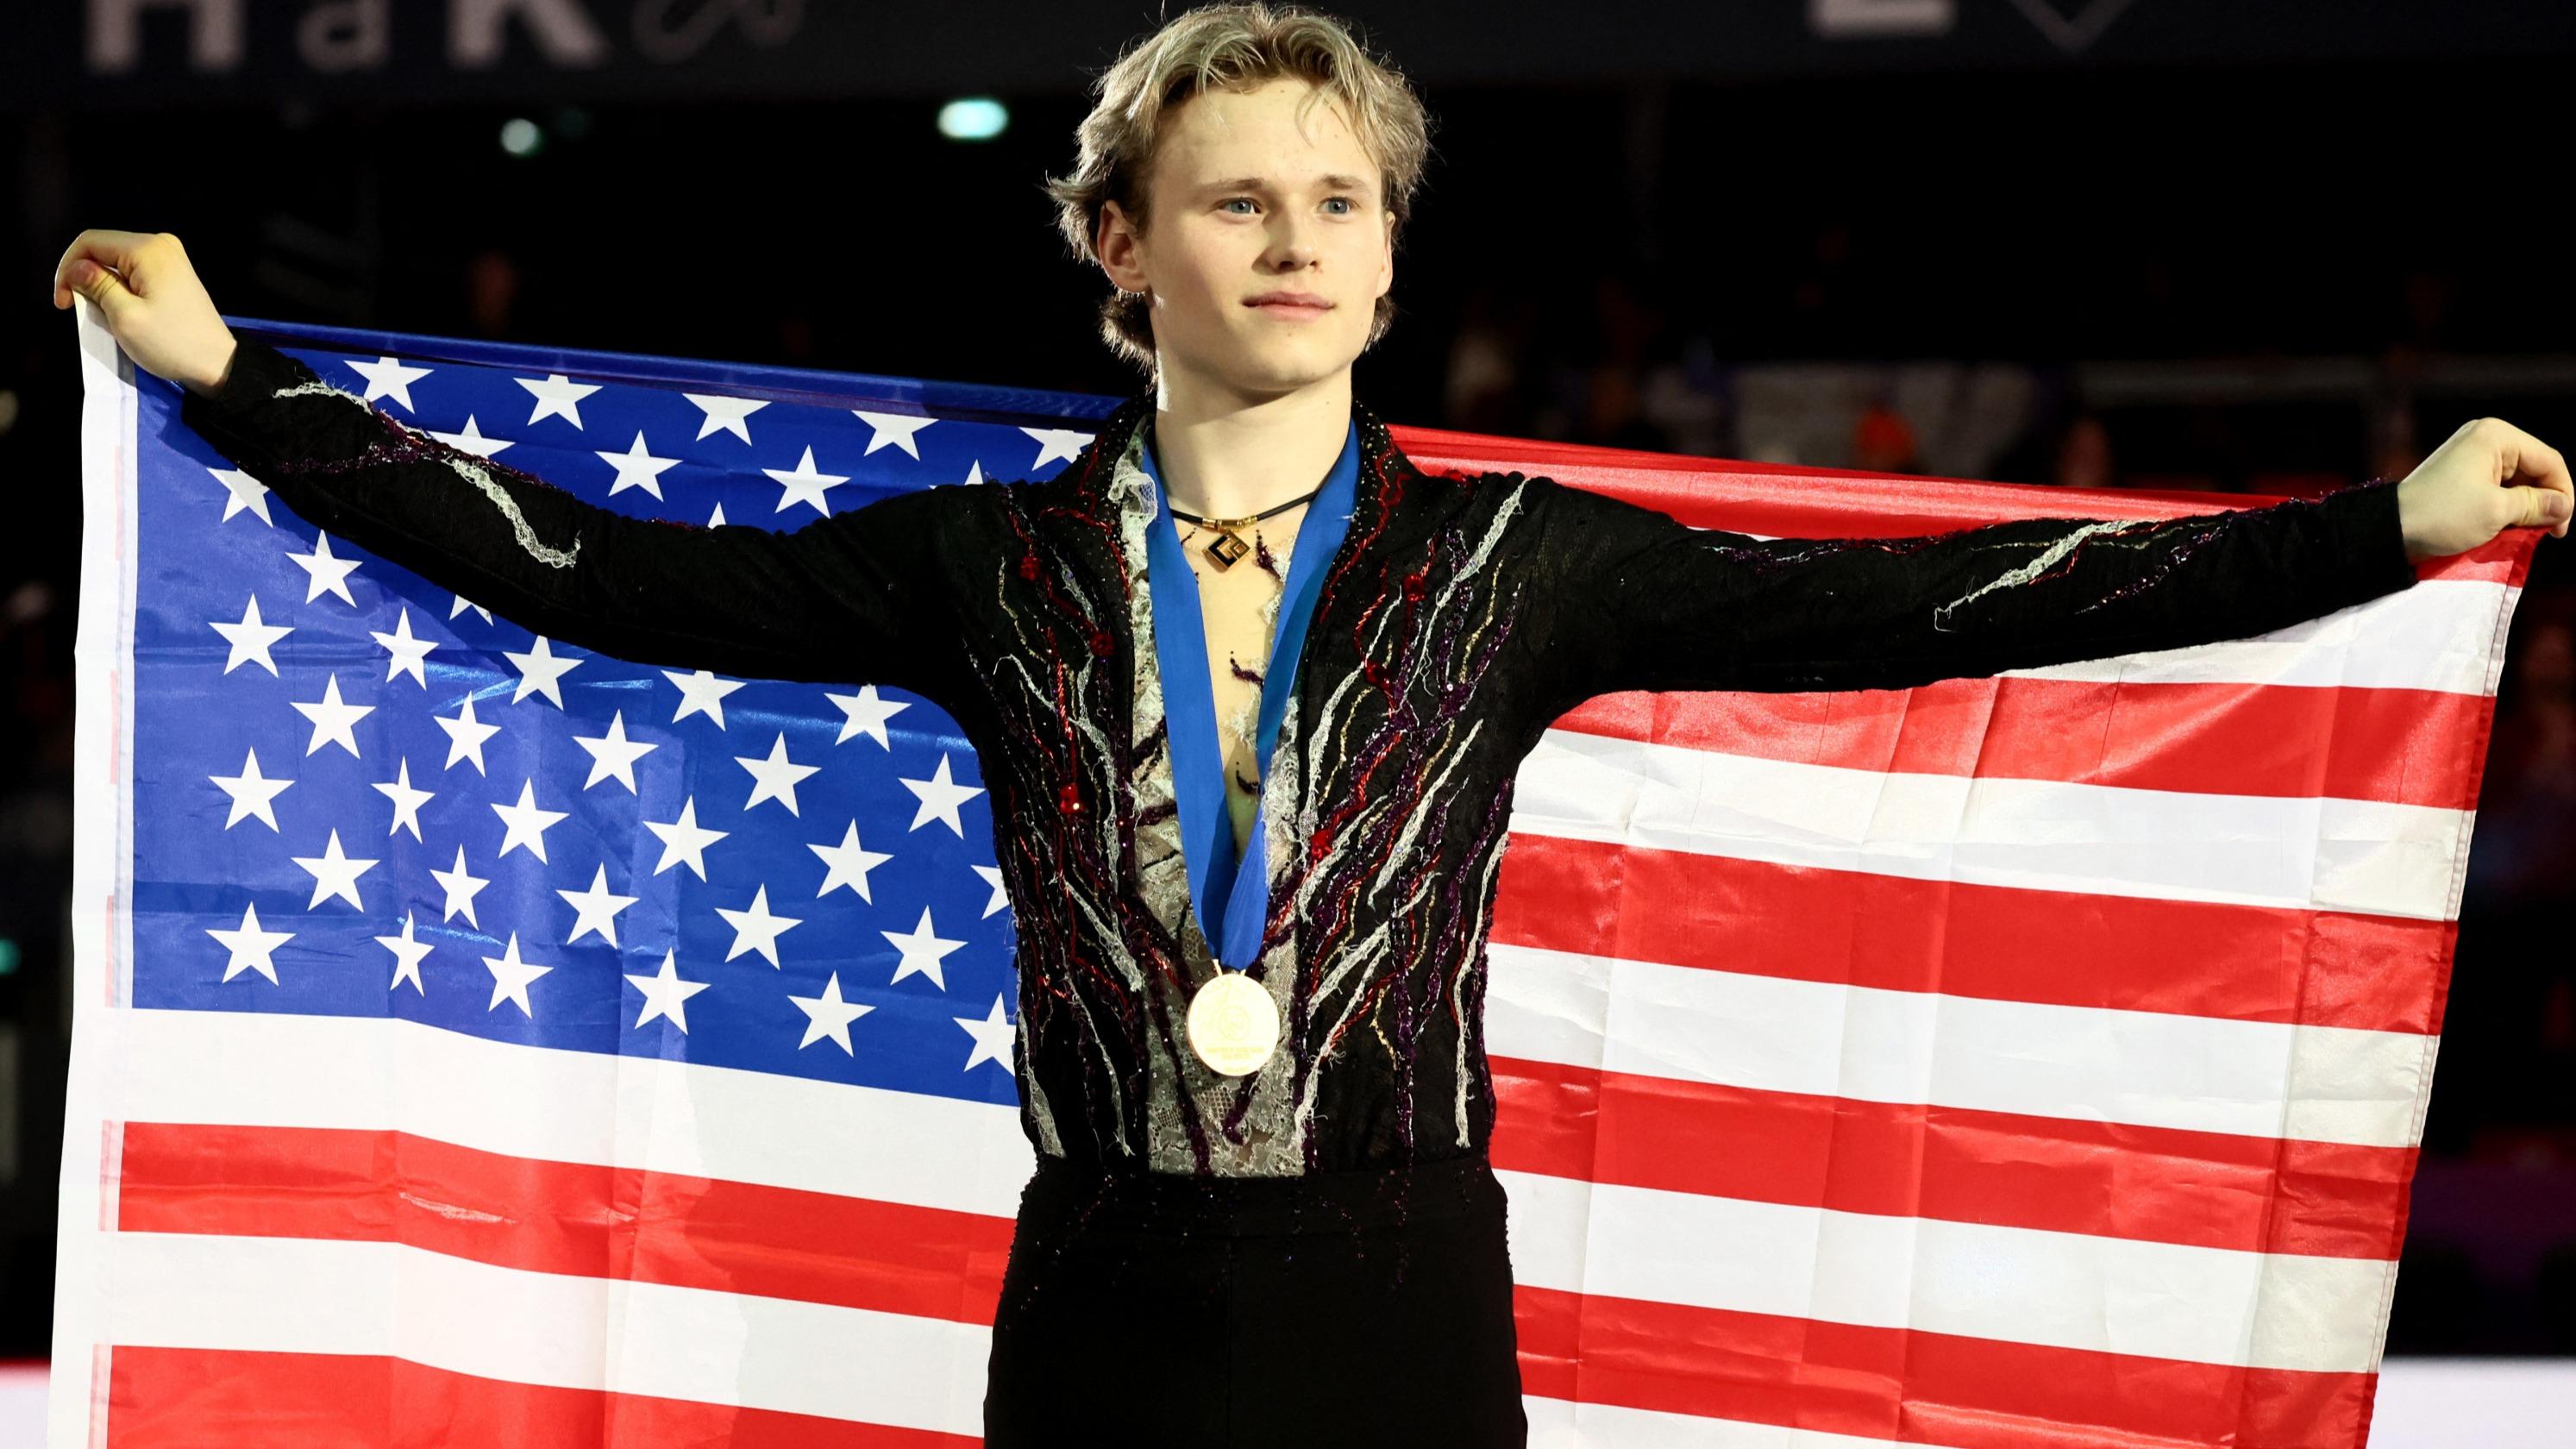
1383, 467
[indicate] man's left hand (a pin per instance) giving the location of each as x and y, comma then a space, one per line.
2452, 501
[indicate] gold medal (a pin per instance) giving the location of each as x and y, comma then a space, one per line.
1234, 1025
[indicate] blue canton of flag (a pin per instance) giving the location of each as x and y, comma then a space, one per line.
360, 794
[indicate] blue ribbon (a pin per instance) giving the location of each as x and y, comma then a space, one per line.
1232, 896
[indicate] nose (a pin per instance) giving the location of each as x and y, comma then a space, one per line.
1289, 248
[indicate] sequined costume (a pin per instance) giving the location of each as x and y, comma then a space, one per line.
1459, 617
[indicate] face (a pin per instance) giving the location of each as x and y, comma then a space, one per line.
1246, 202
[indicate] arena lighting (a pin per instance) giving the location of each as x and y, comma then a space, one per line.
522, 137
973, 118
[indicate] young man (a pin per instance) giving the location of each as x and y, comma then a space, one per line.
1252, 895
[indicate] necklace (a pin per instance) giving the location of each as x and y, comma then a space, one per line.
1229, 545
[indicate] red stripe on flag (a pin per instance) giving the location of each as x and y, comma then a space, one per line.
2217, 739
2201, 1189
2007, 943
190, 1398
562, 1217
1913, 1385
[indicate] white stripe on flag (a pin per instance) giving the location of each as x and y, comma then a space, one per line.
387, 1074
2302, 851
2016, 1285
2438, 635
309, 1295
1866, 1043
1575, 1424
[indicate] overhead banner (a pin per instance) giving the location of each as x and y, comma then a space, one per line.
161, 52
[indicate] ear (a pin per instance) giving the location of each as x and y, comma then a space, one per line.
1120, 249
1386, 257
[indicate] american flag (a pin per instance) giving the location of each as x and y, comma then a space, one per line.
485, 1041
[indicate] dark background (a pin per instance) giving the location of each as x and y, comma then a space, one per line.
2269, 248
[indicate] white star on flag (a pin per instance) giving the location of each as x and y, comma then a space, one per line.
408, 951
407, 801
539, 669
684, 839
940, 796
993, 1033
900, 429
725, 414
465, 736
525, 823
407, 651
473, 440
828, 1015
325, 572
461, 888
334, 874
387, 377
665, 994
251, 792
636, 467
250, 946
511, 977
332, 718
849, 864
251, 637
243, 491
923, 949
992, 875
701, 693
756, 929
775, 777
867, 713
612, 754
1054, 443
595, 909
557, 397
803, 484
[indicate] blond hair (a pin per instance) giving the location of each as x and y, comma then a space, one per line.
1232, 47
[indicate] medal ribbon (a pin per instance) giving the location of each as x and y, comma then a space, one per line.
1232, 896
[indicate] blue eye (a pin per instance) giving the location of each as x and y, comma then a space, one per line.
1349, 204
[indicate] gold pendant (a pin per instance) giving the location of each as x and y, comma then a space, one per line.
1233, 1024
1226, 550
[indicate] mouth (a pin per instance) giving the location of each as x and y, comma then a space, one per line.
1291, 306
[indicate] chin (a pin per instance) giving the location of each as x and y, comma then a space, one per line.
1283, 368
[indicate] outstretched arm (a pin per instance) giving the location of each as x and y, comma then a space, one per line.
1643, 601
851, 597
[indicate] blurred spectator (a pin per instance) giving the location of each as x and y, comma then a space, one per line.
1883, 442
2084, 458
491, 292
2067, 445
1685, 396
1487, 387
1611, 410
1613, 413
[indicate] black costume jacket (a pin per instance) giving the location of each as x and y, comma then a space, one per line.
1460, 616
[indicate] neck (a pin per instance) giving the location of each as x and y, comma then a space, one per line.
1225, 454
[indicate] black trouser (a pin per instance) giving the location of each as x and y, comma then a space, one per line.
1160, 1310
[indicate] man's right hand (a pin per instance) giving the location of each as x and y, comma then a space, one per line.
158, 311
